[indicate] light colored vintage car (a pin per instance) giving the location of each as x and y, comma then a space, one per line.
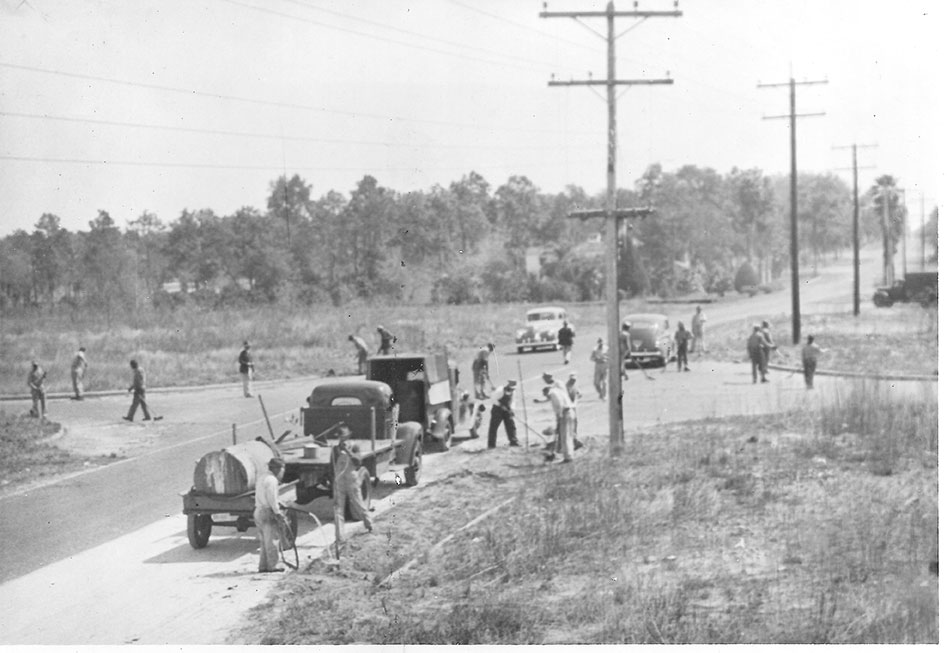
650, 339
541, 330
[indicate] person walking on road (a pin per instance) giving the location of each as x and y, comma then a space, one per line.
245, 361
361, 351
810, 357
502, 411
769, 345
79, 366
755, 348
697, 329
386, 340
137, 387
481, 372
681, 337
267, 516
566, 340
600, 375
36, 379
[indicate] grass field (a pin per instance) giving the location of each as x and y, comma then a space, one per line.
805, 527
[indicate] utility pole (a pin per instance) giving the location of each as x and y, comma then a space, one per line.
923, 231
886, 239
856, 292
904, 233
793, 211
611, 215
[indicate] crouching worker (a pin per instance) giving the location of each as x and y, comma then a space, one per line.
478, 421
346, 489
267, 516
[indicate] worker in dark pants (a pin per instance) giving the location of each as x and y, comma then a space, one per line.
502, 411
386, 340
36, 379
681, 337
138, 387
810, 356
755, 347
361, 352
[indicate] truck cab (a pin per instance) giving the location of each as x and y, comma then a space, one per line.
424, 388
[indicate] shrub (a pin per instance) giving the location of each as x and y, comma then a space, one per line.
746, 277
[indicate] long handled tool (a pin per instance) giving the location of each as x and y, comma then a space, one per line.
646, 375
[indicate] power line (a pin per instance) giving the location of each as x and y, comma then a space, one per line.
279, 137
222, 166
506, 57
270, 103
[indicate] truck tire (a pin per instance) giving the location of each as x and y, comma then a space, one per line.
198, 530
881, 300
364, 485
412, 471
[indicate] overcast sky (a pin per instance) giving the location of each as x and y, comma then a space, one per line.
165, 105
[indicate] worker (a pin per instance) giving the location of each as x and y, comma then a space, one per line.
387, 340
564, 411
481, 372
769, 345
267, 515
810, 356
246, 369
549, 380
361, 352
478, 421
697, 329
600, 376
572, 389
346, 490
79, 366
36, 379
566, 340
754, 347
138, 388
681, 337
624, 346
502, 411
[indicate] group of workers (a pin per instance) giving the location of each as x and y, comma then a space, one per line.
36, 381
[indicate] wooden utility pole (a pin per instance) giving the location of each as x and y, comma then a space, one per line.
923, 231
615, 419
886, 236
904, 233
793, 210
856, 263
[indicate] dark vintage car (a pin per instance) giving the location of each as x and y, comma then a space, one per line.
650, 339
541, 329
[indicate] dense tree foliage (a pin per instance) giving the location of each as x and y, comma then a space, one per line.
462, 243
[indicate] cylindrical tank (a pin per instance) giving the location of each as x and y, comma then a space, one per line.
233, 470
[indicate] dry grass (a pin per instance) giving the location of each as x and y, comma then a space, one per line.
794, 528
28, 454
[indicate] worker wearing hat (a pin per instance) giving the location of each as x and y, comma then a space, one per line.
387, 339
266, 514
564, 411
346, 491
246, 369
502, 411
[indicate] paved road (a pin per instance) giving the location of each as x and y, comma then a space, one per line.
101, 557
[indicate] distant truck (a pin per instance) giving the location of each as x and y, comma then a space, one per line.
919, 287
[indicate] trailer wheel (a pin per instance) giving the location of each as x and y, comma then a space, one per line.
412, 473
364, 485
198, 530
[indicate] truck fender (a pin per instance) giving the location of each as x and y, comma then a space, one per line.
412, 433
441, 424
881, 299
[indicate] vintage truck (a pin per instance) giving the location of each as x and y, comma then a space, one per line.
424, 387
224, 481
920, 287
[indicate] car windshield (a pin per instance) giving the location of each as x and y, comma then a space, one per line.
537, 317
639, 324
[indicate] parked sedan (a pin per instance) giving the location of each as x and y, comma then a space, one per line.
542, 328
650, 339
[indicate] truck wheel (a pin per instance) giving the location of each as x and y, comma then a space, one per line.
198, 530
412, 472
520, 350
364, 485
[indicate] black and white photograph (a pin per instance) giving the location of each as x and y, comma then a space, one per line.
387, 323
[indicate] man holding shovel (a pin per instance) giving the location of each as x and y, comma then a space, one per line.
502, 411
564, 410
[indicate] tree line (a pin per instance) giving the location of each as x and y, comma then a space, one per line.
466, 242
